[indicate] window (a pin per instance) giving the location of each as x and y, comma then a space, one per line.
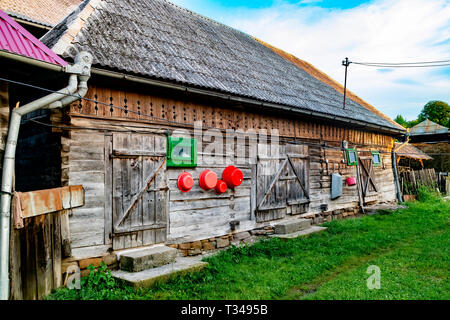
352, 157
376, 158
181, 152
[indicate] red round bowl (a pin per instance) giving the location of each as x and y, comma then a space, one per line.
185, 182
221, 187
232, 176
207, 180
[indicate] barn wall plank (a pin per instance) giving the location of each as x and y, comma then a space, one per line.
86, 159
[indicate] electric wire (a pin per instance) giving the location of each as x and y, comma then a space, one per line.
404, 63
422, 64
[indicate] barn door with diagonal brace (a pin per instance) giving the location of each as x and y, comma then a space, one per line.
140, 191
282, 184
367, 182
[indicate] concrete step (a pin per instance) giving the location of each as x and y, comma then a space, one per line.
292, 226
147, 278
305, 232
146, 258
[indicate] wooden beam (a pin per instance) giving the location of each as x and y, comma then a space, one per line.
40, 202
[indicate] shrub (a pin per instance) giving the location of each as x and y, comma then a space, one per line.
427, 194
99, 285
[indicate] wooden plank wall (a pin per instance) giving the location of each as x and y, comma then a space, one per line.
196, 215
139, 107
83, 162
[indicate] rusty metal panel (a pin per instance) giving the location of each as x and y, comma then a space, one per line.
39, 202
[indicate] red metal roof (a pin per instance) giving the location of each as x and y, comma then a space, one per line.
15, 39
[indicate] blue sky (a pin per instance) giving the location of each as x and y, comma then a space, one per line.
323, 32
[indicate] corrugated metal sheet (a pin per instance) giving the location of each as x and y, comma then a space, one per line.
409, 151
15, 39
428, 127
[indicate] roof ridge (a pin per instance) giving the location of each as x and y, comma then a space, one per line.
80, 16
331, 82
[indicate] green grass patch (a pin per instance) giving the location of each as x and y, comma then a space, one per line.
410, 246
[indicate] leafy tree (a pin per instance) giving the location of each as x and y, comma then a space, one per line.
412, 123
436, 111
401, 121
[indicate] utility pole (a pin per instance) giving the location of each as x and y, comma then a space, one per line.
345, 63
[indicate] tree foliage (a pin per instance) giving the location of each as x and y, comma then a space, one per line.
401, 121
436, 111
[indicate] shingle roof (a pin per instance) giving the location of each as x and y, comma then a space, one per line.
427, 127
157, 39
45, 12
15, 39
409, 151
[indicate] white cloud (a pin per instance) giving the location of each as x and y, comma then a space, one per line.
381, 31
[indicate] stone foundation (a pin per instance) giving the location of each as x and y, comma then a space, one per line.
70, 263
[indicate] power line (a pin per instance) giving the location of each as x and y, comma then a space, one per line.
401, 66
404, 63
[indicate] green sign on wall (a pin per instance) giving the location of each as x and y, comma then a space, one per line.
181, 152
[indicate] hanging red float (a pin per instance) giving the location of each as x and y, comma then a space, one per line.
232, 176
207, 180
221, 187
185, 182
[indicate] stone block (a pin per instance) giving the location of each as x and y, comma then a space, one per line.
109, 259
292, 226
84, 263
184, 246
208, 245
148, 258
194, 252
222, 243
196, 245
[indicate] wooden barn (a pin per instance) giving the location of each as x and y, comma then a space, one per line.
174, 94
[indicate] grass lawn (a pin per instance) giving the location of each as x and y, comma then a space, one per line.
410, 246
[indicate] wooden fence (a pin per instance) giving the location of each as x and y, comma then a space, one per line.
40, 240
411, 180
35, 255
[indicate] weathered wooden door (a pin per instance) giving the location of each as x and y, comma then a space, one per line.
282, 183
366, 179
139, 190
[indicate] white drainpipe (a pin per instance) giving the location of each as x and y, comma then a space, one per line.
81, 71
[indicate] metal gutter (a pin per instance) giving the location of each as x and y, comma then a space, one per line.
31, 61
229, 97
79, 75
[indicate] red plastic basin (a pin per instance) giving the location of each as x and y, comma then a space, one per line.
232, 176
221, 187
207, 180
185, 182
